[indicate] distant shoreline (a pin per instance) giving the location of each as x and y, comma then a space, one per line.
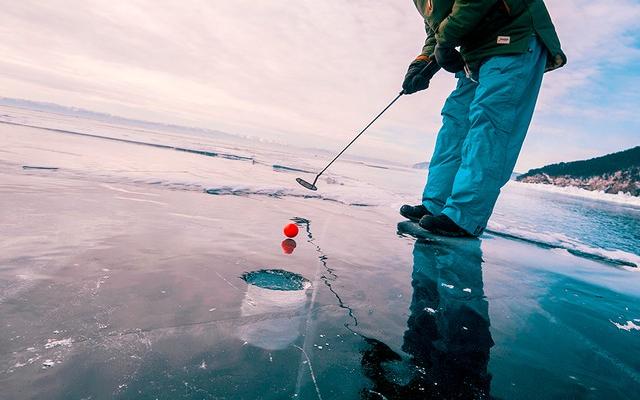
613, 173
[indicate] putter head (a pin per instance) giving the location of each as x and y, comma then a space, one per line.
306, 184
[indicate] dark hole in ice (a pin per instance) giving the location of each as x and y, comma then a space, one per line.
276, 279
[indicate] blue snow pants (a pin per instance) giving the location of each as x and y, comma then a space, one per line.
484, 124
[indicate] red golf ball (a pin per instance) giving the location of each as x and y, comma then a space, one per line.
291, 230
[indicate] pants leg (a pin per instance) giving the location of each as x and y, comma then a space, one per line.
499, 117
447, 153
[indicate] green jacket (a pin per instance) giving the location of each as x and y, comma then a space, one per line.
485, 28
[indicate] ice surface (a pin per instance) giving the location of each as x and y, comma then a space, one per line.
250, 172
122, 251
620, 198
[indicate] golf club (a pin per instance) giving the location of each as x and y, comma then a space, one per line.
312, 186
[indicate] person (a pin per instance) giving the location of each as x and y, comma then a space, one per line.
505, 48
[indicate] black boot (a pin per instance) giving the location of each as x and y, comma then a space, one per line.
443, 225
414, 213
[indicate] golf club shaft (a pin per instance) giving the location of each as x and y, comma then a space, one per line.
359, 134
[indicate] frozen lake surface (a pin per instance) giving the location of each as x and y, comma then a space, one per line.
133, 261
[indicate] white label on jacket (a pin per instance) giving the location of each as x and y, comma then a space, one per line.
504, 39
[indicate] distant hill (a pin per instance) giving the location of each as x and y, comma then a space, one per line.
612, 173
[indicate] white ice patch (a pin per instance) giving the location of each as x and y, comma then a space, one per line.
101, 281
196, 217
51, 343
354, 194
447, 286
142, 200
117, 189
629, 326
620, 198
566, 243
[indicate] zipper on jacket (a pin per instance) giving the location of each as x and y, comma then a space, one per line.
506, 7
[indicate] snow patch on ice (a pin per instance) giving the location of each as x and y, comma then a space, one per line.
620, 198
628, 326
117, 189
564, 243
51, 343
141, 200
350, 199
447, 286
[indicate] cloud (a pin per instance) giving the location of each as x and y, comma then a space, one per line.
306, 72
596, 38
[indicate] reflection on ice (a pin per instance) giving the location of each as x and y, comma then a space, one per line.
288, 246
447, 337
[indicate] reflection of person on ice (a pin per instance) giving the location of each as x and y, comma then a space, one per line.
448, 341
505, 47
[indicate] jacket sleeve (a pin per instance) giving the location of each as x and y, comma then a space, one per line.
430, 42
465, 16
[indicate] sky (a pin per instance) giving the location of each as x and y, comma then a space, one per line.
306, 72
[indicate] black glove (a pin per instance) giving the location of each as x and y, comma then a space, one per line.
418, 75
449, 58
